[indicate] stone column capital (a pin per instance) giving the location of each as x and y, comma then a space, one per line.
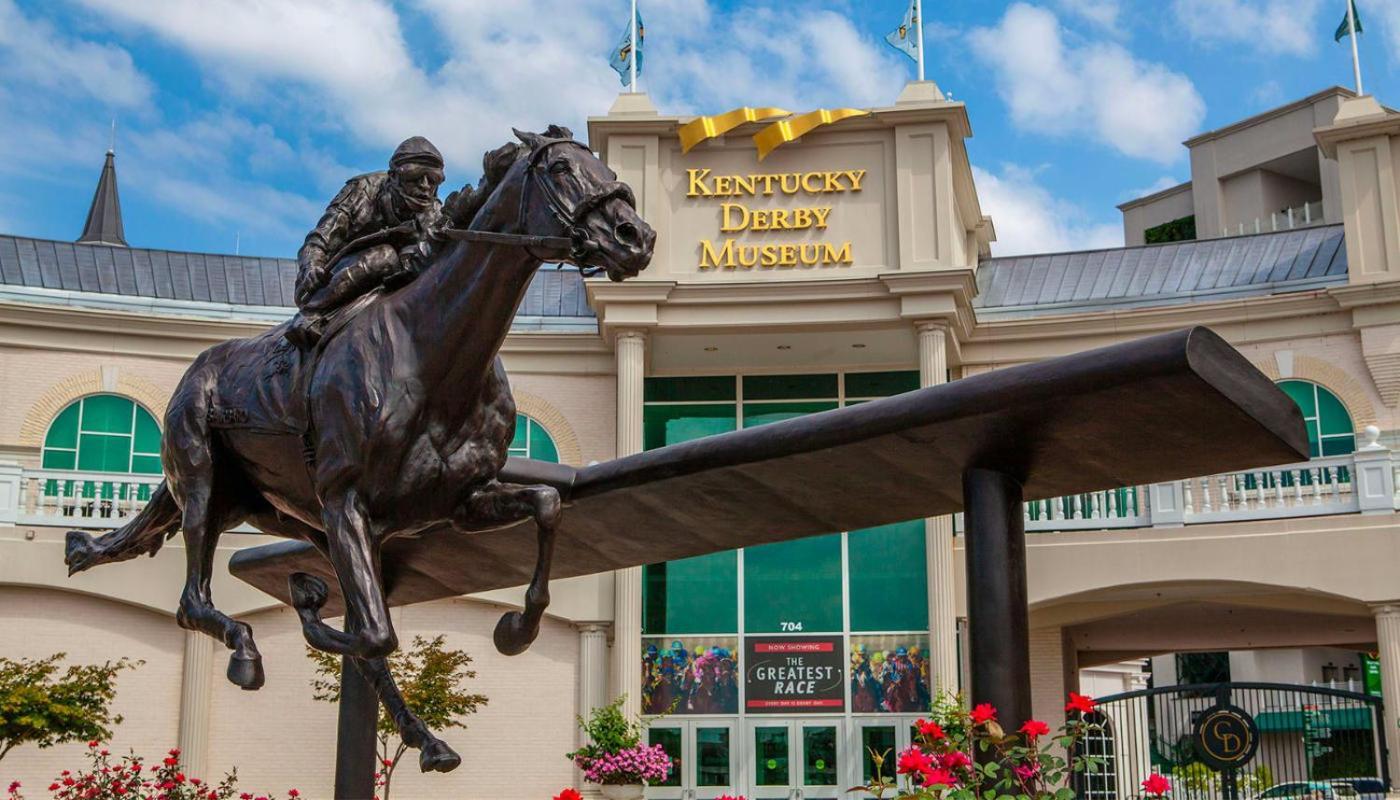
593, 627
630, 333
1389, 609
933, 326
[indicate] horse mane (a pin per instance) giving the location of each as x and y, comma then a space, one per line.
462, 205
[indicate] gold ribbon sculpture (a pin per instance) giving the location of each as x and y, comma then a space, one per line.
702, 128
787, 130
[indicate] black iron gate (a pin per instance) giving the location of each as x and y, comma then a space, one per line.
1240, 741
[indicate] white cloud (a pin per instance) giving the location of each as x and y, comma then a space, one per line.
1271, 27
1029, 219
1388, 12
1102, 13
1164, 182
33, 52
1098, 90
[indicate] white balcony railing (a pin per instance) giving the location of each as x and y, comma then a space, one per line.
65, 498
1360, 482
1302, 216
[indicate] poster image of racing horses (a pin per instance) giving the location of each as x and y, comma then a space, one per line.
694, 675
889, 674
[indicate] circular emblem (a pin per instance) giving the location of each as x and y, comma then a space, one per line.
772, 763
1226, 737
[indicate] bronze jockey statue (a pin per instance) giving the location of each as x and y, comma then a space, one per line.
376, 232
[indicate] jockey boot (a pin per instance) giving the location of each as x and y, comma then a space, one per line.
306, 330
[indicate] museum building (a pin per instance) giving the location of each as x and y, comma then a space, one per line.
804, 262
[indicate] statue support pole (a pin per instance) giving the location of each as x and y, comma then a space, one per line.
998, 620
355, 755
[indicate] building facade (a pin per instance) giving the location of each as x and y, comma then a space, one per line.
849, 264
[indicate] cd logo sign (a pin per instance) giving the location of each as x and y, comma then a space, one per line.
1226, 737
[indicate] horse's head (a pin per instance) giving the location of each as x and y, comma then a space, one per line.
567, 193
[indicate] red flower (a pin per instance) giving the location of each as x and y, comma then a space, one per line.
1034, 728
93, 743
984, 712
930, 729
174, 751
1026, 772
388, 762
293, 793
1156, 785
913, 760
955, 760
568, 794
1084, 704
179, 777
246, 796
53, 787
939, 777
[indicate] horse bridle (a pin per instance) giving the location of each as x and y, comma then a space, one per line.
577, 241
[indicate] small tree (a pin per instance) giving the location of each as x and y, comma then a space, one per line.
431, 679
44, 704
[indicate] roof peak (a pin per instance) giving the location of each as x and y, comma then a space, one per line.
104, 218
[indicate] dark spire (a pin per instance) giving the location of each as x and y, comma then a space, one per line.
104, 219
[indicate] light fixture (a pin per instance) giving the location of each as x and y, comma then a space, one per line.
858, 346
784, 347
711, 349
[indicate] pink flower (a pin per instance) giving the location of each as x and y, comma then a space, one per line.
984, 712
1156, 785
1034, 728
1025, 772
293, 793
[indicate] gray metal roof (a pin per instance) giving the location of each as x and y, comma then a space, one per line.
203, 277
1180, 272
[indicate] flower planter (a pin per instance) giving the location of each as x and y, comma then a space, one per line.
629, 792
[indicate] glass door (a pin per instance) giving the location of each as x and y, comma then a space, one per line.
885, 736
703, 753
795, 759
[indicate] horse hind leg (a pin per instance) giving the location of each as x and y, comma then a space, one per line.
503, 503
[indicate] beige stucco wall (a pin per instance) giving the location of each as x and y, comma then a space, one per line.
1149, 212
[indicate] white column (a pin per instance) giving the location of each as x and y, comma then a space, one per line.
938, 538
592, 667
196, 687
11, 479
627, 591
1388, 644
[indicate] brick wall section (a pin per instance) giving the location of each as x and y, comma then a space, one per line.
1048, 687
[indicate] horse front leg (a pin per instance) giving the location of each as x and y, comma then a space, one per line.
434, 755
497, 504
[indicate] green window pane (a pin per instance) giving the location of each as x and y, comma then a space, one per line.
106, 413
877, 740
663, 425
712, 757
719, 387
756, 414
818, 755
888, 578
789, 387
793, 586
147, 439
771, 756
692, 595
881, 384
64, 430
522, 432
102, 453
1332, 415
1302, 394
670, 741
146, 465
60, 459
542, 444
1338, 445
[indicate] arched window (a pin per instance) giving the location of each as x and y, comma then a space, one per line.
103, 433
1330, 430
532, 441
1102, 784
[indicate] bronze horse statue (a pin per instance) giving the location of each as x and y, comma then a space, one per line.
398, 424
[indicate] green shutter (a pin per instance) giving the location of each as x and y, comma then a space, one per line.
107, 413
147, 436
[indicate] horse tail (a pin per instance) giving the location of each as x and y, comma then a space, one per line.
145, 533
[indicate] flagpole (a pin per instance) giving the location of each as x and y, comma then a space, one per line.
919, 25
633, 59
1355, 54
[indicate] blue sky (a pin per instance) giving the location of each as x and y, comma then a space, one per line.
243, 117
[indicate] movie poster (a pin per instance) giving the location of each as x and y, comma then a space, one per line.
793, 674
889, 674
690, 675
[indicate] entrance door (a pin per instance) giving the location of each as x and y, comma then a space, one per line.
704, 756
885, 736
795, 759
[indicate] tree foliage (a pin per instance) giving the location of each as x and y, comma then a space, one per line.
44, 704
1177, 230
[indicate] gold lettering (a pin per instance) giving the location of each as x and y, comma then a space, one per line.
806, 187
833, 182
801, 218
770, 255
796, 183
779, 219
748, 256
815, 258
856, 176
758, 219
709, 259
726, 225
789, 252
746, 183
833, 256
697, 183
724, 185
821, 216
768, 183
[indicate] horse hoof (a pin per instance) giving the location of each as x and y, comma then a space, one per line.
511, 636
246, 673
309, 593
436, 756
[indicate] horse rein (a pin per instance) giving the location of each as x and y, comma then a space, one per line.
578, 244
